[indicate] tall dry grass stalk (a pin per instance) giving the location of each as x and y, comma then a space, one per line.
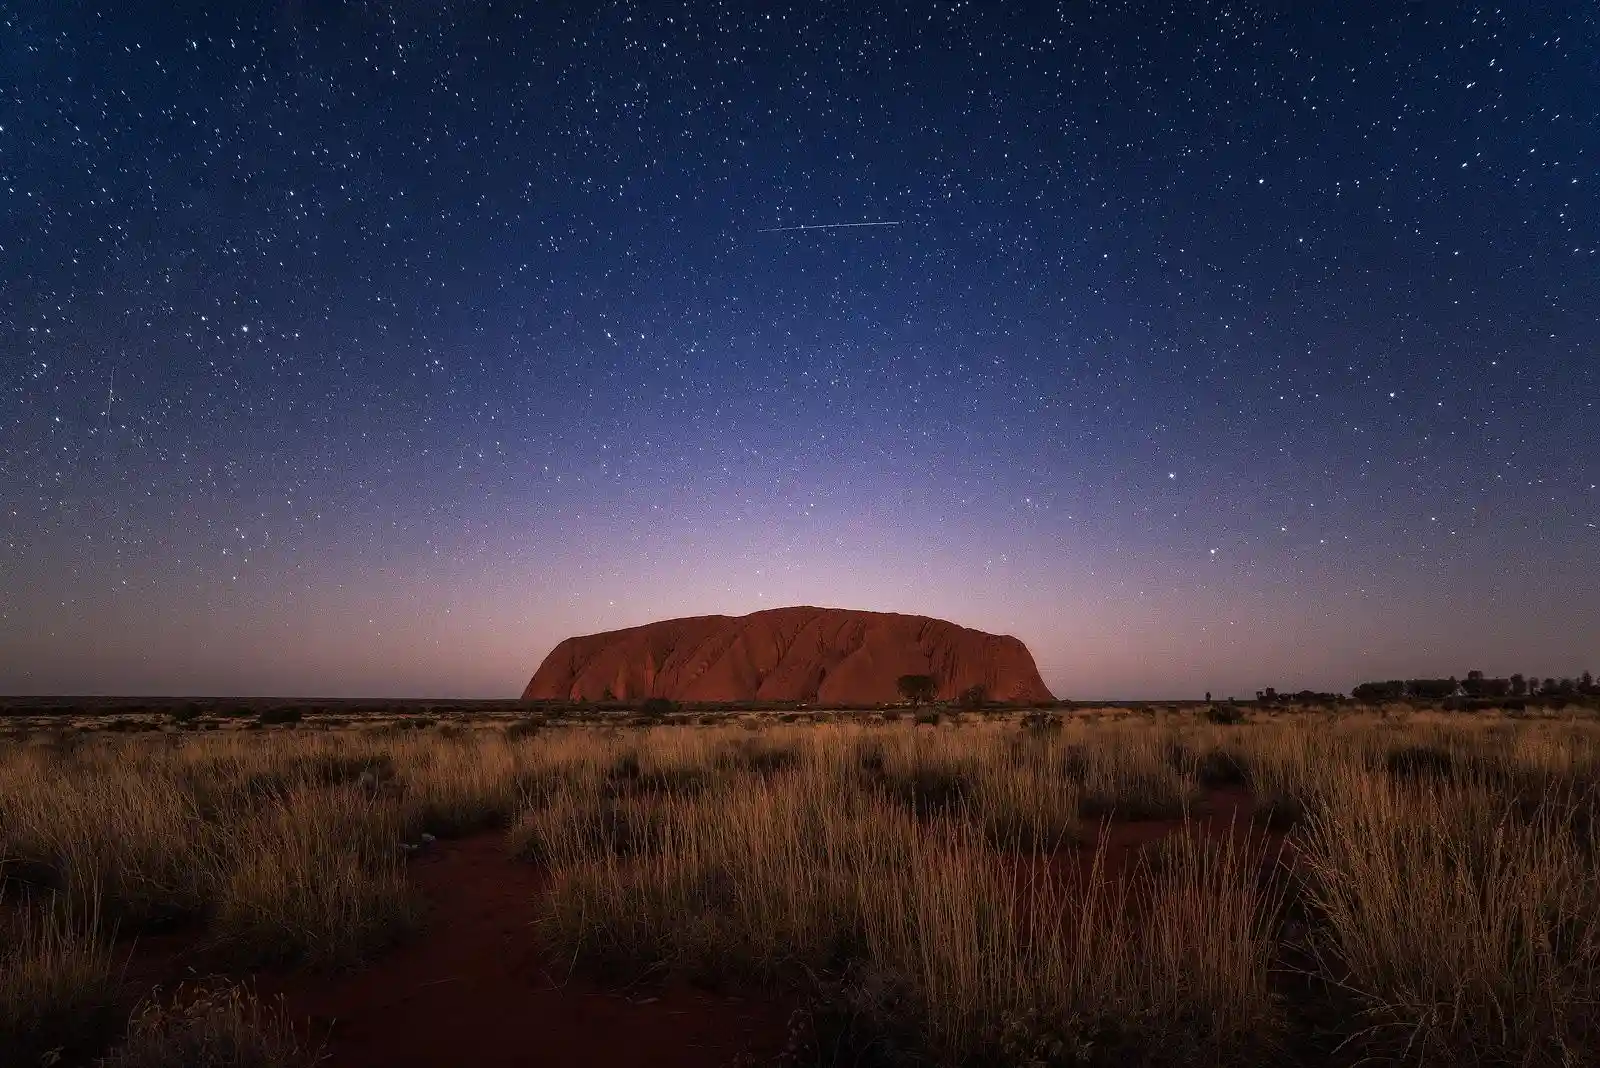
286, 849
59, 981
313, 877
1463, 930
121, 838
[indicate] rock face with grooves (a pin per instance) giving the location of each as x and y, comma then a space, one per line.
816, 655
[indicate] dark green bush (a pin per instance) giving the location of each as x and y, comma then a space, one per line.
1416, 761
658, 707
1217, 768
525, 728
1226, 715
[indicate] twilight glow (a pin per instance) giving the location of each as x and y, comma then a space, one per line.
373, 350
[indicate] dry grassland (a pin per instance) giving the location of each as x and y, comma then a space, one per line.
1406, 889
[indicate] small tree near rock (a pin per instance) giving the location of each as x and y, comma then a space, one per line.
658, 707
974, 697
917, 688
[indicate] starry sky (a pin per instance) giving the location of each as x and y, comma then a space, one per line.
371, 349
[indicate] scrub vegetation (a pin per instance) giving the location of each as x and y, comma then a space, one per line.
1039, 888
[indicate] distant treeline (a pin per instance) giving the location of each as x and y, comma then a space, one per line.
1475, 685
1270, 696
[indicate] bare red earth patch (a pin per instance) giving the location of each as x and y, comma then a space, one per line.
1219, 814
474, 987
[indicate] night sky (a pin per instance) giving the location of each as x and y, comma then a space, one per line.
372, 349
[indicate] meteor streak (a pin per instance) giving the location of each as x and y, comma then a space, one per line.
823, 226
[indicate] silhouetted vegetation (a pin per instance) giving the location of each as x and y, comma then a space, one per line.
1270, 696
1226, 715
526, 727
1476, 690
658, 707
917, 688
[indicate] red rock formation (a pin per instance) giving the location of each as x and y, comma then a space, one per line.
817, 655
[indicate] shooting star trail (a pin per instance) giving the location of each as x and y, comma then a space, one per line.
111, 398
823, 226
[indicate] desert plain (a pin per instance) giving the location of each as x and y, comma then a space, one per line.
516, 883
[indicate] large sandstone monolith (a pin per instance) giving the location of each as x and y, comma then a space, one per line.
817, 655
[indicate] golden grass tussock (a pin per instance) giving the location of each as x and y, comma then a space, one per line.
59, 980
104, 835
312, 877
1461, 929
284, 849
1128, 773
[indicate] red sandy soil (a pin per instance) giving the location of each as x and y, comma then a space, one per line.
1221, 813
475, 988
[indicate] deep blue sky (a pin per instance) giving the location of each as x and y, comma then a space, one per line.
372, 349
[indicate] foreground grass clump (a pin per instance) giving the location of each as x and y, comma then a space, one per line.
286, 850
59, 983
1128, 775
216, 1026
314, 878
1460, 931
120, 841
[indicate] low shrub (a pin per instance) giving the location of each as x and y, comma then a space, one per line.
758, 756
210, 1026
1414, 761
1043, 722
658, 707
527, 727
128, 726
1217, 767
